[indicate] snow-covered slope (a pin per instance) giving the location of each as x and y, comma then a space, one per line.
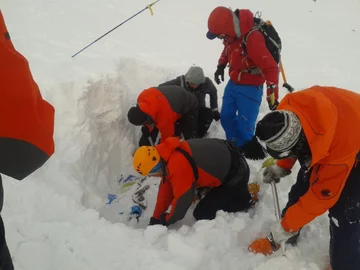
58, 217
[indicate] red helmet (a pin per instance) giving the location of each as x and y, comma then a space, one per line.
221, 21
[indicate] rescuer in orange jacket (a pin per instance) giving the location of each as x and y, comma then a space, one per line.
320, 127
187, 166
170, 110
26, 124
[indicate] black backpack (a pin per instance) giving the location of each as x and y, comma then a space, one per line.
272, 39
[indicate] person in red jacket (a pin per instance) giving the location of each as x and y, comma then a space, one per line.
248, 71
26, 124
170, 110
186, 167
320, 128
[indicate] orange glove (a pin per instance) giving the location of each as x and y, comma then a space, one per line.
264, 246
270, 244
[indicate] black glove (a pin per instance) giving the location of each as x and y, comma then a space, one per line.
145, 131
216, 115
161, 221
273, 107
219, 72
154, 221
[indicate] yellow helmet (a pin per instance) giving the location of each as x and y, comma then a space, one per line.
146, 158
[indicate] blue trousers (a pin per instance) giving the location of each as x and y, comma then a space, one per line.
240, 109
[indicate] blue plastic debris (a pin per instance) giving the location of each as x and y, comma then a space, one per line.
111, 198
136, 211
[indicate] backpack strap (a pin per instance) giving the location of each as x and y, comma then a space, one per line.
251, 70
182, 81
191, 162
244, 42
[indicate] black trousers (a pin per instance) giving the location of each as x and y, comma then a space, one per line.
205, 118
344, 219
186, 125
144, 139
5, 258
345, 225
227, 197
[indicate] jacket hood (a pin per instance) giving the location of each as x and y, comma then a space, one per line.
168, 147
246, 18
148, 102
223, 20
318, 117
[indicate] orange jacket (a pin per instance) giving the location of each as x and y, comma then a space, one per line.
152, 102
177, 188
329, 117
165, 105
26, 120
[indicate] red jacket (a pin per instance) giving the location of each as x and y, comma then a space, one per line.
233, 54
26, 120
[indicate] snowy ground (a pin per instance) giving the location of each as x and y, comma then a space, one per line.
58, 217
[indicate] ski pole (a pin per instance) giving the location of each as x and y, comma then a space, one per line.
128, 19
286, 85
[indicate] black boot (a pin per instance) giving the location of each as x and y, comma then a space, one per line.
293, 239
253, 150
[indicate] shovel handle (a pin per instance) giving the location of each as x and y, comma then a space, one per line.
288, 87
276, 201
277, 211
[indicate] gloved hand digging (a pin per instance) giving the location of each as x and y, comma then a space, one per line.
161, 221
272, 242
274, 173
154, 221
